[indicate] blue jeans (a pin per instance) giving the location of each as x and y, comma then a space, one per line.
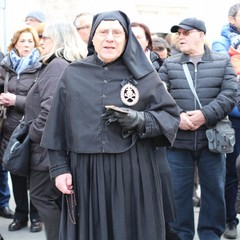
231, 185
4, 188
211, 170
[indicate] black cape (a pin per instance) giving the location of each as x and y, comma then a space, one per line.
116, 180
75, 120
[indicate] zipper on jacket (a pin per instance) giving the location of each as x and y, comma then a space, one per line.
17, 84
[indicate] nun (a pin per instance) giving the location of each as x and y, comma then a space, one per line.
109, 113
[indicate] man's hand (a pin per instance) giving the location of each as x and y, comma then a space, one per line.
185, 122
197, 118
191, 120
64, 183
128, 118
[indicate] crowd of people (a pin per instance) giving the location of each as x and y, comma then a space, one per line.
118, 139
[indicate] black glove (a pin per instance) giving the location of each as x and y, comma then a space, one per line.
130, 120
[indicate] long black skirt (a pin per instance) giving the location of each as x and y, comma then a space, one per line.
167, 185
118, 197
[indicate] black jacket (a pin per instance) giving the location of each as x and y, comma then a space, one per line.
19, 85
216, 85
38, 104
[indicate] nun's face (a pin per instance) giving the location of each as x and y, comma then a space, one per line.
109, 40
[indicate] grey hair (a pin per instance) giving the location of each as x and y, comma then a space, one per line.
66, 41
233, 11
76, 20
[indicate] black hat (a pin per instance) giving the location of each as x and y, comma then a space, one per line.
189, 24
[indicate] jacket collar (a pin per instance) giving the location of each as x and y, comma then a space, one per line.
207, 56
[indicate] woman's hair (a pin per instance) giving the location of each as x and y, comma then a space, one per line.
40, 28
160, 43
146, 31
66, 41
17, 34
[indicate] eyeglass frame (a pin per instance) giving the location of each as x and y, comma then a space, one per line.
186, 33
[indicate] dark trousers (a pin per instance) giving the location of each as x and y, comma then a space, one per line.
23, 205
47, 199
4, 188
231, 185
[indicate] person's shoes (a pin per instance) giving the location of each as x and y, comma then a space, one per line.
6, 212
36, 225
230, 230
17, 225
170, 233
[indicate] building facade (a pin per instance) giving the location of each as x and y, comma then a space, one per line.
159, 15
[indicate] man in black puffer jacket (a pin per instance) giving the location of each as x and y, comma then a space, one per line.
216, 84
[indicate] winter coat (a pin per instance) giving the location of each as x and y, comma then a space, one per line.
235, 59
156, 60
216, 84
222, 45
38, 104
19, 85
1, 56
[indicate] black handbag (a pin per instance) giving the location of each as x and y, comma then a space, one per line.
16, 158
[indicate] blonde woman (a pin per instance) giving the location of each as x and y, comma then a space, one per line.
60, 46
22, 62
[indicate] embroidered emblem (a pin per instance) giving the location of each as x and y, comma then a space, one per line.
129, 94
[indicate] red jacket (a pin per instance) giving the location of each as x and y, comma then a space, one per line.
235, 59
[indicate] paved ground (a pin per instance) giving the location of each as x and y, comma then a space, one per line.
25, 234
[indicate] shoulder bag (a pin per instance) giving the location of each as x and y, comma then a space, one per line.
221, 138
3, 109
16, 158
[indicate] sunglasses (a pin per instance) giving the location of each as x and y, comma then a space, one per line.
186, 33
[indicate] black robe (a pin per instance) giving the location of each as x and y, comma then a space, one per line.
86, 147
116, 179
80, 103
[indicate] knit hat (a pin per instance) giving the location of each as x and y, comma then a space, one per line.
40, 16
235, 40
189, 24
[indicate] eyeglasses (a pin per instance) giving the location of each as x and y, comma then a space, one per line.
186, 33
44, 38
83, 27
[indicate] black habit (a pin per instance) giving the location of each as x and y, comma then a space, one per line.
115, 178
